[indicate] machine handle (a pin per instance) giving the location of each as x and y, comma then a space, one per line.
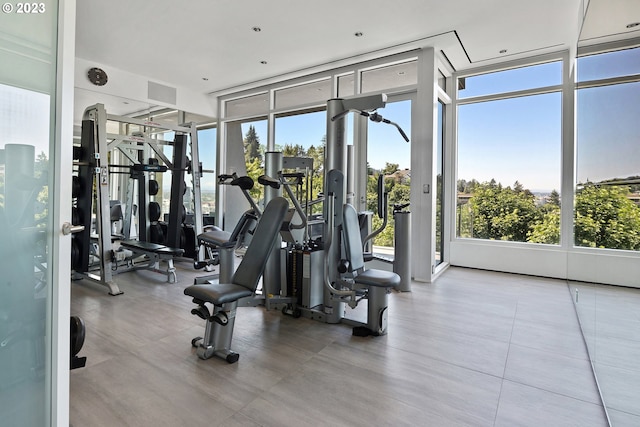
68, 228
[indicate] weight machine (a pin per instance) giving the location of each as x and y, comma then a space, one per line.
92, 192
323, 276
334, 275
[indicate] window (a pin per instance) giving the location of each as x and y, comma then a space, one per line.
247, 106
254, 142
391, 76
531, 77
346, 85
607, 205
607, 65
307, 93
390, 155
439, 257
207, 154
509, 151
304, 135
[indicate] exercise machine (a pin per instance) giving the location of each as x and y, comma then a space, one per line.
338, 278
401, 261
93, 191
224, 296
214, 238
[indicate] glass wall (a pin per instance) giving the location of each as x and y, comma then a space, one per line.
607, 205
27, 240
509, 151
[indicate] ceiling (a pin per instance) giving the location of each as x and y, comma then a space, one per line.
213, 46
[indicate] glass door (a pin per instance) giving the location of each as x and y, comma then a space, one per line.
30, 202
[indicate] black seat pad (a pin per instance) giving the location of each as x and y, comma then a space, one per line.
214, 238
151, 247
380, 278
218, 293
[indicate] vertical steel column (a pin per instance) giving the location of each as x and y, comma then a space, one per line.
402, 244
103, 220
335, 159
272, 277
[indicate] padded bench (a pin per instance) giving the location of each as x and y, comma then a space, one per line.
154, 253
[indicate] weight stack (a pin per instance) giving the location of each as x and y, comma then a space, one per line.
82, 193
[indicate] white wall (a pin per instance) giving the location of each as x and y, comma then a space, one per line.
134, 87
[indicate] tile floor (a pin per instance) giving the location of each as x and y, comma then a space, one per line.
475, 348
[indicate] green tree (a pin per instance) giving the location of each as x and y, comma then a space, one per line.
547, 229
254, 171
390, 168
252, 146
502, 213
41, 169
606, 218
554, 198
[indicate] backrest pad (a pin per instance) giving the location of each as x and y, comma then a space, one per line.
352, 237
255, 258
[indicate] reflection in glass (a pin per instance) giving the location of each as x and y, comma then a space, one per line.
608, 171
25, 283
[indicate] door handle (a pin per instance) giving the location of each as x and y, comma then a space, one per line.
68, 228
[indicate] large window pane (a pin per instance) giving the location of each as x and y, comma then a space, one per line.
509, 169
548, 74
254, 141
608, 167
388, 154
304, 135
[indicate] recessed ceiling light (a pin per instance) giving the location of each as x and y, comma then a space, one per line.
401, 73
263, 62
633, 25
358, 34
503, 51
125, 102
206, 79
256, 29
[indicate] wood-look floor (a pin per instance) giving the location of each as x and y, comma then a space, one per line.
474, 348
